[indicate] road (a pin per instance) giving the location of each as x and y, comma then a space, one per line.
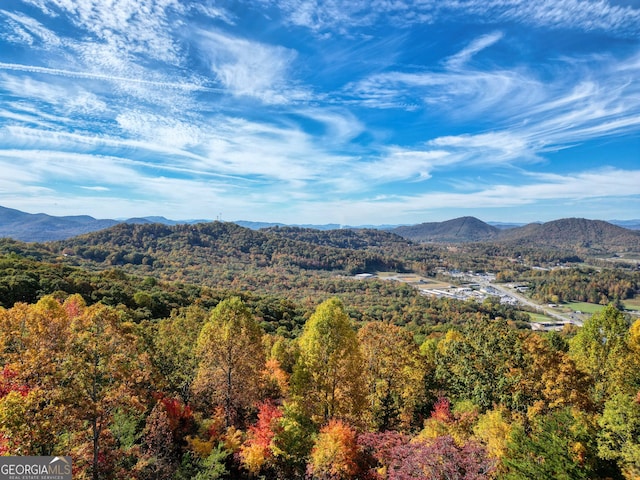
548, 311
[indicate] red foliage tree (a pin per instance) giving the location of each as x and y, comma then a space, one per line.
442, 410
441, 458
180, 417
335, 453
9, 384
256, 451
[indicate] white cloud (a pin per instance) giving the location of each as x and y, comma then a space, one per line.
287, 154
249, 68
462, 57
599, 15
488, 148
51, 166
131, 26
343, 16
114, 61
600, 186
403, 164
529, 117
211, 11
461, 93
66, 97
162, 130
340, 126
27, 30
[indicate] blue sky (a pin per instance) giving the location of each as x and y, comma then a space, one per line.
339, 111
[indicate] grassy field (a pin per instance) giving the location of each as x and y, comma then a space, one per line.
584, 307
632, 304
538, 317
413, 279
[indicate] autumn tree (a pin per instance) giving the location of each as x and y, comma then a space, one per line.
174, 348
619, 435
398, 457
292, 443
334, 454
159, 445
328, 378
493, 430
477, 363
456, 422
33, 346
80, 364
548, 379
104, 372
257, 452
634, 338
394, 375
559, 444
601, 349
230, 360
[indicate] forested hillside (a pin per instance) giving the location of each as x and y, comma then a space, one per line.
214, 351
579, 234
464, 229
42, 227
172, 249
207, 393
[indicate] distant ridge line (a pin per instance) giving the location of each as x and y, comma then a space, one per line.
41, 227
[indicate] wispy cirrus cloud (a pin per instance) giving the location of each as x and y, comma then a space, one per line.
462, 57
479, 91
248, 68
135, 26
528, 116
339, 125
602, 186
342, 16
26, 30
404, 164
67, 97
224, 147
136, 48
103, 76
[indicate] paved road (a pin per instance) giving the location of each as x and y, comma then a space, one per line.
548, 311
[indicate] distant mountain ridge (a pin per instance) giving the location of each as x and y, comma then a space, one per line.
463, 229
579, 233
40, 227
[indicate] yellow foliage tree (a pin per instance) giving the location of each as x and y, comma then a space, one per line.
395, 375
231, 361
328, 379
334, 453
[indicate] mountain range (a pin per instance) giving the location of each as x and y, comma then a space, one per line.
40, 227
463, 229
575, 233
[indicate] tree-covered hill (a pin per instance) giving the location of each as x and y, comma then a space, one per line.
356, 239
174, 249
579, 234
41, 227
458, 230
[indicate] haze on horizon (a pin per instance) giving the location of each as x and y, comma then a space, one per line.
321, 112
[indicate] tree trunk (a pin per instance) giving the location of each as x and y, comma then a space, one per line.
96, 436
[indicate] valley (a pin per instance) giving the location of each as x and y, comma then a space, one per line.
426, 343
